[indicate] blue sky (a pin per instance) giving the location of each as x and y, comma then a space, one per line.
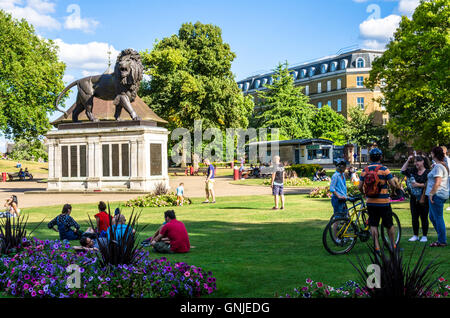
261, 33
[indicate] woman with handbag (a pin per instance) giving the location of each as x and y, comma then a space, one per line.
416, 180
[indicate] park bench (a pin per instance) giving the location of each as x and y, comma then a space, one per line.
15, 175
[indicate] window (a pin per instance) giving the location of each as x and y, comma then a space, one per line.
344, 64
312, 154
383, 104
312, 70
303, 73
339, 105
73, 161
329, 103
326, 153
384, 121
319, 87
323, 68
338, 83
319, 105
360, 102
307, 90
360, 81
333, 66
328, 86
359, 62
257, 84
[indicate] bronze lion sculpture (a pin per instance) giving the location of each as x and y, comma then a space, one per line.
120, 86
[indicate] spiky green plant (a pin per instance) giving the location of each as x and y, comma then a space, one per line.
13, 233
121, 250
398, 277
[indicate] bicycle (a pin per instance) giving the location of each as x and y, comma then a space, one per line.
341, 233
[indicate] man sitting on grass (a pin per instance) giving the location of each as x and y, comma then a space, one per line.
173, 236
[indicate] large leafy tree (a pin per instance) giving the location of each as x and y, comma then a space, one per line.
191, 79
360, 129
284, 106
415, 72
30, 79
328, 124
29, 150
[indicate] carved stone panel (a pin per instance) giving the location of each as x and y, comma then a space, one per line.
105, 160
64, 161
125, 160
115, 160
155, 160
83, 161
73, 161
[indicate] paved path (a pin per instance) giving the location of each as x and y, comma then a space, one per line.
193, 185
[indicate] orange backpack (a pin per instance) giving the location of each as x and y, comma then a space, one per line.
372, 182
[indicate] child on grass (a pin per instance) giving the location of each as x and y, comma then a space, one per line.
180, 194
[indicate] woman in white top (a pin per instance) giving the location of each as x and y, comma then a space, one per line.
12, 207
437, 191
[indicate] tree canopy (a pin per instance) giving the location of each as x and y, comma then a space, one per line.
284, 106
328, 124
414, 73
30, 79
191, 79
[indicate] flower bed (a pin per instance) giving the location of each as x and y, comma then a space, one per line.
320, 192
292, 182
352, 289
40, 270
151, 200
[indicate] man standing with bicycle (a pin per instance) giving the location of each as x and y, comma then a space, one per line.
374, 184
338, 187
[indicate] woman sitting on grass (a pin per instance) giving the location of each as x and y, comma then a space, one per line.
65, 224
12, 208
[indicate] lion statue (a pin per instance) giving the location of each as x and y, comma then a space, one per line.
120, 86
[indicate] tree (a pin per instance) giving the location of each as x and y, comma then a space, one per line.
284, 106
191, 79
414, 74
30, 79
328, 124
361, 130
29, 150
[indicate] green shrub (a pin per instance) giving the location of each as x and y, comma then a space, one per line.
304, 170
293, 182
151, 200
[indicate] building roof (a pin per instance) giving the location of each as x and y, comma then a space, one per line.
104, 111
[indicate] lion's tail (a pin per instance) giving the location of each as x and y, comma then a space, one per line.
64, 91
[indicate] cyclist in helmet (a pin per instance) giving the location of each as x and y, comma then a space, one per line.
374, 181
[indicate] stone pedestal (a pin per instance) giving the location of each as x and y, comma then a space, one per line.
107, 156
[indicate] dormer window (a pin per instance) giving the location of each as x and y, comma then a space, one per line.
303, 73
323, 68
257, 82
333, 66
359, 62
312, 71
344, 64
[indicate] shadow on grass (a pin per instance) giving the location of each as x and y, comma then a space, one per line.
261, 259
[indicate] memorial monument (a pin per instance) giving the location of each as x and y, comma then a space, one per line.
105, 149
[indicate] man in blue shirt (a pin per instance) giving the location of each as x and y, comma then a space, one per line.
209, 182
338, 188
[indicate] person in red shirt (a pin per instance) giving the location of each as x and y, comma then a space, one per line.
173, 236
102, 218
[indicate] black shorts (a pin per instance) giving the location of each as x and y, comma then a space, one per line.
383, 212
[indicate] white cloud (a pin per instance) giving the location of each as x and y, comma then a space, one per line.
89, 73
75, 21
380, 29
67, 78
374, 44
407, 7
89, 57
35, 12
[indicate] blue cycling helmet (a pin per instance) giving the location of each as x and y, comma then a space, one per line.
375, 152
340, 162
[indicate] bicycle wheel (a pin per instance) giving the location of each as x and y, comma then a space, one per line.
397, 233
339, 236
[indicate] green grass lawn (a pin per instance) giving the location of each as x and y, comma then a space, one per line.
252, 250
36, 168
260, 182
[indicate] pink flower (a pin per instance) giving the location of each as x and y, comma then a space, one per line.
187, 274
441, 279
319, 284
308, 281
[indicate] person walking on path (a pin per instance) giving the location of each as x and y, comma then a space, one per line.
209, 182
278, 176
417, 177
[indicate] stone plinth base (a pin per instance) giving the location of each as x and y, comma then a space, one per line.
107, 156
